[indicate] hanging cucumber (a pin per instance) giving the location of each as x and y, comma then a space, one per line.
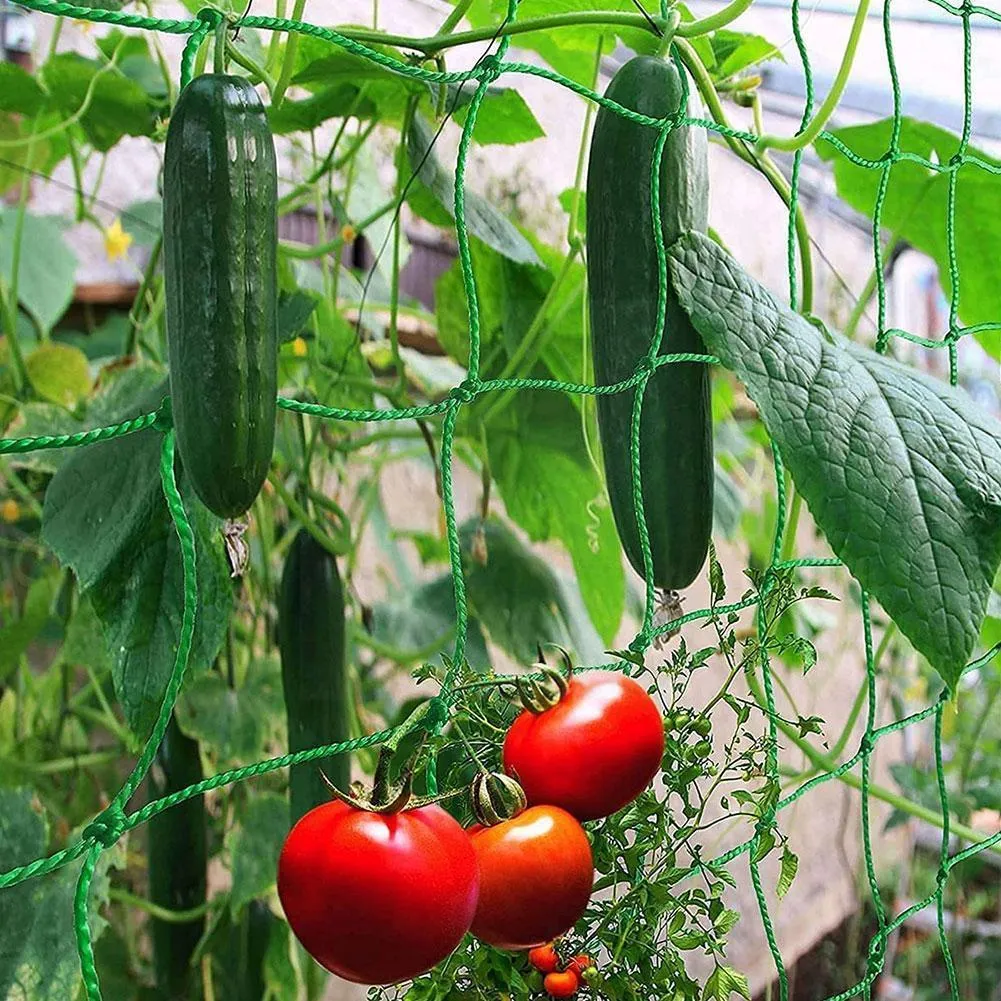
314, 676
676, 452
178, 856
220, 246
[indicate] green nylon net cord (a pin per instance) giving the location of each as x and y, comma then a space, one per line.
107, 828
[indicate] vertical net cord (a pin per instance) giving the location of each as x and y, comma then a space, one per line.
890, 157
646, 367
792, 239
767, 820
81, 924
112, 822
878, 945
950, 220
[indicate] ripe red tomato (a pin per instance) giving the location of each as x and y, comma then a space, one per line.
536, 874
593, 752
579, 964
544, 958
378, 898
561, 985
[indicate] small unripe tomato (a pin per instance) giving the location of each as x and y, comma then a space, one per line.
703, 726
579, 964
561, 985
544, 958
703, 749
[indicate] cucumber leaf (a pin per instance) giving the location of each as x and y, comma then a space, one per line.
916, 206
105, 517
901, 472
482, 219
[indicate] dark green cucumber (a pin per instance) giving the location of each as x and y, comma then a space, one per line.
676, 452
219, 258
178, 857
314, 677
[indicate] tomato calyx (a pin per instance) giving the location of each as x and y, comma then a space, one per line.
537, 695
388, 796
496, 797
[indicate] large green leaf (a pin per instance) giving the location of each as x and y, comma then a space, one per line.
482, 219
46, 268
551, 490
419, 616
514, 593
26, 155
333, 102
916, 208
110, 105
106, 518
571, 50
381, 92
234, 722
59, 373
119, 386
39, 962
504, 117
901, 472
255, 845
19, 90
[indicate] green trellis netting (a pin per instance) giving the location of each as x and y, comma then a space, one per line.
106, 829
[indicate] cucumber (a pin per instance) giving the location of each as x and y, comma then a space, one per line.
220, 238
178, 857
676, 449
314, 675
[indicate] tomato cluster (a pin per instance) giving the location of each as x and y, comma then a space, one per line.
565, 982
381, 895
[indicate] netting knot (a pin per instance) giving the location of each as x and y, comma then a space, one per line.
164, 416
866, 744
437, 715
942, 875
647, 365
876, 957
490, 69
107, 827
465, 392
211, 16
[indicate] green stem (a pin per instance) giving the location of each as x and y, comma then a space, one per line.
720, 19
291, 201
398, 655
789, 542
59, 765
824, 112
299, 511
275, 47
760, 162
402, 179
8, 306
458, 13
154, 910
435, 43
219, 51
242, 59
858, 310
137, 304
288, 62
